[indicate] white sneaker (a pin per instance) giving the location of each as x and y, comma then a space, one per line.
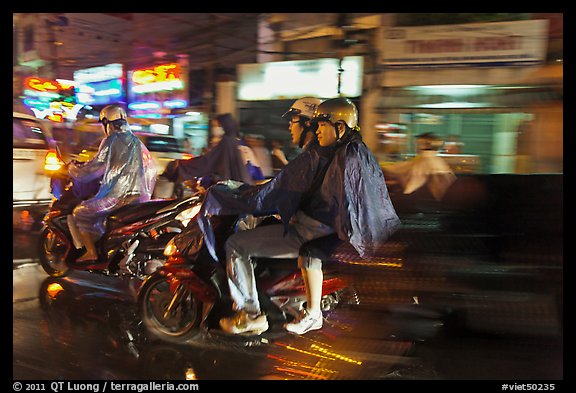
305, 323
244, 323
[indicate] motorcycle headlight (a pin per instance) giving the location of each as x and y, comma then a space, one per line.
170, 248
185, 216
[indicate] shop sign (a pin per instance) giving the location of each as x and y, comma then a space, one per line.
157, 78
326, 78
496, 43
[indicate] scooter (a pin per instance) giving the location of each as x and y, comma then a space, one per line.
189, 294
132, 244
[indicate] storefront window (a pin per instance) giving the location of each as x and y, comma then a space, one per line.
500, 130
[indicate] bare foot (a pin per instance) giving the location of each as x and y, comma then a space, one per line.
87, 258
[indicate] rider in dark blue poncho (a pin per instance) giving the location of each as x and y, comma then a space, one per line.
334, 186
223, 162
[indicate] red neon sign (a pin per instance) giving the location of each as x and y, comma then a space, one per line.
46, 85
39, 84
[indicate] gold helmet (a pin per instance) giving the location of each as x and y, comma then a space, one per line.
337, 109
112, 112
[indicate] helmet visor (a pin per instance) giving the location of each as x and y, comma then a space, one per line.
292, 112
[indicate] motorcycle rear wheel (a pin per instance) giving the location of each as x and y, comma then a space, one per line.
182, 324
52, 252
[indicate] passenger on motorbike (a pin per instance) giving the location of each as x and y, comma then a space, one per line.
128, 175
355, 202
301, 128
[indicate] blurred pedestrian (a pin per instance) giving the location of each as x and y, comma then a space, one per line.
426, 169
227, 123
279, 160
261, 152
226, 159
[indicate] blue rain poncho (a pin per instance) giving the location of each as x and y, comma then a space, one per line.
128, 176
359, 204
281, 195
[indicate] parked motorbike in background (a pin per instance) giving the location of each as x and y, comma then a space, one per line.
189, 294
134, 240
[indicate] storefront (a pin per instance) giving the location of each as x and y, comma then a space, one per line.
470, 84
267, 90
479, 124
192, 125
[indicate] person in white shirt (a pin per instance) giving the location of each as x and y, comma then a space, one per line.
426, 169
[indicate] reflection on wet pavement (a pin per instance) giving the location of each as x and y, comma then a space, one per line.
86, 326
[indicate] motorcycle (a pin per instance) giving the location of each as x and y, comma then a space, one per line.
134, 240
189, 294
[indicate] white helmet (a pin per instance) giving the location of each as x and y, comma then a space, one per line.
305, 106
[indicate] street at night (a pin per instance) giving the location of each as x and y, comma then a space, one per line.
287, 196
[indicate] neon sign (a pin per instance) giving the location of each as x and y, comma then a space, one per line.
156, 74
47, 85
155, 90
56, 111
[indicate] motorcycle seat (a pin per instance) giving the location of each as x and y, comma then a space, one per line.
332, 250
132, 213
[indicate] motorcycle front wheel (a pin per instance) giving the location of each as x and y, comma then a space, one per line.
52, 252
171, 316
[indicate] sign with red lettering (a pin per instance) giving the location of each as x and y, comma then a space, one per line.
44, 85
497, 43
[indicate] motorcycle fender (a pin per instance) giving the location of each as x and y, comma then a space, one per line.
333, 284
63, 235
198, 287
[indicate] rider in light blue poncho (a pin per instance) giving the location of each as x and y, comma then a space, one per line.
128, 176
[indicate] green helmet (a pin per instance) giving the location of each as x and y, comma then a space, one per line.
337, 109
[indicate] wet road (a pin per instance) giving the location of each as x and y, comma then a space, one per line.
93, 332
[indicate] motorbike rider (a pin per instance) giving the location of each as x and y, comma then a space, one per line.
319, 208
128, 176
224, 161
283, 194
